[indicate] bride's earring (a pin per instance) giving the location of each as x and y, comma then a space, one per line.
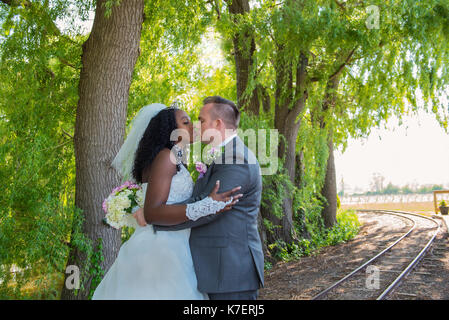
179, 154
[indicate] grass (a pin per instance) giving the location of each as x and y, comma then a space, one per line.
36, 287
426, 208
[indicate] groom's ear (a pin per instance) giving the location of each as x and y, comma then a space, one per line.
221, 125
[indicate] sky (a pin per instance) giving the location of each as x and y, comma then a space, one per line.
417, 152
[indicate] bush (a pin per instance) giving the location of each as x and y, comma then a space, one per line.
346, 228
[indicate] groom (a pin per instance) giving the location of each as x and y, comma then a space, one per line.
226, 248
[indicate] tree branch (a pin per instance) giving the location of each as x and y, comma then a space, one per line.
217, 9
67, 134
301, 93
7, 2
215, 6
28, 4
65, 62
341, 5
52, 28
343, 65
301, 71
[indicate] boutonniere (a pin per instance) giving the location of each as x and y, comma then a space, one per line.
209, 157
201, 168
212, 154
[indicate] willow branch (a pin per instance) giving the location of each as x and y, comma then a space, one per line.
65, 62
67, 134
343, 65
341, 5
27, 4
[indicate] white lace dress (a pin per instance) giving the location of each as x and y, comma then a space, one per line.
155, 265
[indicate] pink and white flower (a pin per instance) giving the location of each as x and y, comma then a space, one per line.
201, 168
120, 203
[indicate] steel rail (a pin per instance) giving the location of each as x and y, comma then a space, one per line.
406, 270
415, 261
349, 275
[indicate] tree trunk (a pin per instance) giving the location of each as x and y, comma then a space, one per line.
299, 168
301, 214
290, 133
108, 58
244, 47
329, 190
265, 99
262, 233
289, 103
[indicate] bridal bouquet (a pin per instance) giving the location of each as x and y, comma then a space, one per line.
122, 203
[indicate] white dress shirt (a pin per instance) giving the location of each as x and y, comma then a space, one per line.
223, 143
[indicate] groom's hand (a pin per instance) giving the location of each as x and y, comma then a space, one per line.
225, 196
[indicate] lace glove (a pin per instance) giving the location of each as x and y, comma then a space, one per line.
204, 207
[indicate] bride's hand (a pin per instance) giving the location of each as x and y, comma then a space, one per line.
138, 215
225, 196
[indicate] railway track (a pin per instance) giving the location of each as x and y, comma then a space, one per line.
386, 269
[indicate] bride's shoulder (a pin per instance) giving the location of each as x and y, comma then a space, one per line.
164, 162
164, 153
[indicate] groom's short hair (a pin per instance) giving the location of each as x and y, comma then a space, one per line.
224, 109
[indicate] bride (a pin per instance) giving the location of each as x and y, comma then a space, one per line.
159, 265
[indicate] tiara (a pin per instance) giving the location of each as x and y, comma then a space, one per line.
174, 105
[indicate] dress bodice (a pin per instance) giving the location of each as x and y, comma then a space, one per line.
181, 187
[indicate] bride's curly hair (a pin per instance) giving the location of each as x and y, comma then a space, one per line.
155, 138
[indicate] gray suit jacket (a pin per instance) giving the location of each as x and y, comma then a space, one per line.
226, 248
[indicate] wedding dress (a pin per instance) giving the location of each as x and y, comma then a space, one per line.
155, 265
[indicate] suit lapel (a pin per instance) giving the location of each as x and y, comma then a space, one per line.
200, 183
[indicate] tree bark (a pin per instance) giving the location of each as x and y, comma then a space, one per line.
108, 58
244, 47
299, 174
288, 150
265, 98
299, 168
329, 190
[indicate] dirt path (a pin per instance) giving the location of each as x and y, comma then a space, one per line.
306, 277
